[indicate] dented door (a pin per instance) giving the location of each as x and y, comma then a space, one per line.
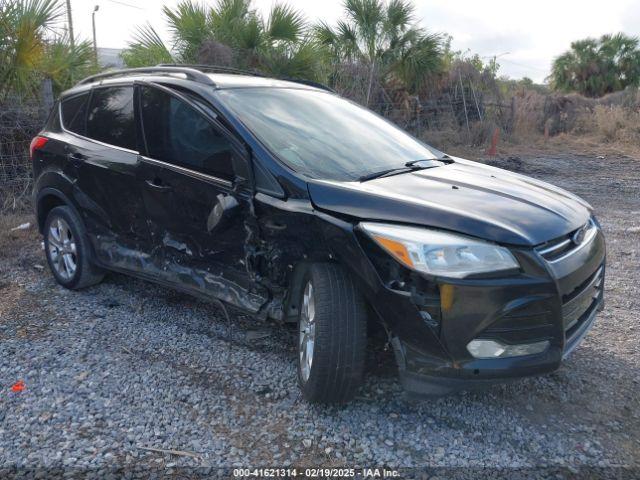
188, 170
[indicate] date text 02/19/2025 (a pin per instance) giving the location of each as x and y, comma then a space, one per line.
315, 473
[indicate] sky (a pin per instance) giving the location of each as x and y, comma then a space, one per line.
525, 37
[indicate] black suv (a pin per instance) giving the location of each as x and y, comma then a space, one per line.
289, 202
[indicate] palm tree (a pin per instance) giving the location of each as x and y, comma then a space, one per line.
594, 67
32, 48
235, 33
383, 36
147, 48
65, 63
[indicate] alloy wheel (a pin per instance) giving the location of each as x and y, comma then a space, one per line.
62, 248
307, 330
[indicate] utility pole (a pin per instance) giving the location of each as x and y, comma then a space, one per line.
93, 22
70, 21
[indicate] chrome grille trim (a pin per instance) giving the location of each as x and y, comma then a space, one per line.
555, 247
587, 241
547, 251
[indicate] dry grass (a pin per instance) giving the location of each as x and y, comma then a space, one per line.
532, 143
617, 124
529, 114
10, 238
16, 197
585, 144
548, 124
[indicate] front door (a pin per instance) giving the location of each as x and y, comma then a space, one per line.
190, 169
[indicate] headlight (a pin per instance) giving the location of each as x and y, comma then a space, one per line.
440, 253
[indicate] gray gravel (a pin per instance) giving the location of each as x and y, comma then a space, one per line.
125, 366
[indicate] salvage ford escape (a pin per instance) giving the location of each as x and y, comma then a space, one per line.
289, 202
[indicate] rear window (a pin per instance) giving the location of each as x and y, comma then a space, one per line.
111, 119
74, 113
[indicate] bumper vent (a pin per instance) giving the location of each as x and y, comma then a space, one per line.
579, 305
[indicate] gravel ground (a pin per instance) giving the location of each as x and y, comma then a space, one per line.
124, 367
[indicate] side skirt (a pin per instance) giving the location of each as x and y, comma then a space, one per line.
199, 283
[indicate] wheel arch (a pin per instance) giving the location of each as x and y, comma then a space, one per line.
295, 290
49, 198
337, 244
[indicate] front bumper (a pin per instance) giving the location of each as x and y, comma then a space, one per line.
432, 320
484, 373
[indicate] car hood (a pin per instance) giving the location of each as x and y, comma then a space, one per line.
464, 196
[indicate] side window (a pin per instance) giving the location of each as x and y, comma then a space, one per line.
74, 113
178, 134
110, 118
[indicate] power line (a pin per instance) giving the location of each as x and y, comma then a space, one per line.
525, 66
125, 4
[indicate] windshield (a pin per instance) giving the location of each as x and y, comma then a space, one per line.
322, 135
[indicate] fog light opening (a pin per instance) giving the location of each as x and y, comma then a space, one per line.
494, 349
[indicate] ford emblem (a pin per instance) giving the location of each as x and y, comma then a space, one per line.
578, 237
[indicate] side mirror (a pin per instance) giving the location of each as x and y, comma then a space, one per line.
223, 210
241, 169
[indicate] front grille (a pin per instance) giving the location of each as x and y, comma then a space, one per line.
562, 247
578, 305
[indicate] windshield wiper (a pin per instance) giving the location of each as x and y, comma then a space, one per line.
408, 167
384, 173
431, 162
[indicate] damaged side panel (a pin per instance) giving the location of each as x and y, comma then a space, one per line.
283, 235
168, 270
248, 264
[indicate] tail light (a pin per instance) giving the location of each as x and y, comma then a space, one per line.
36, 144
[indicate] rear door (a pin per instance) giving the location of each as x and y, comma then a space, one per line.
103, 150
191, 165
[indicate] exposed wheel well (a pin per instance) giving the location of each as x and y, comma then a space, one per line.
294, 292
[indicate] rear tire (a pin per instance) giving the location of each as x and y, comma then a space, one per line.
332, 335
68, 250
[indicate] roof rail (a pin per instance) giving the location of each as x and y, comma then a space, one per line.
195, 72
239, 71
190, 73
214, 69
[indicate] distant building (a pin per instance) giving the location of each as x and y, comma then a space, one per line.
110, 57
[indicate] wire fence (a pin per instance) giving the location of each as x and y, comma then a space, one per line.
19, 123
21, 118
443, 114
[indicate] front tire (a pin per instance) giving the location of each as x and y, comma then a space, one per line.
68, 251
332, 335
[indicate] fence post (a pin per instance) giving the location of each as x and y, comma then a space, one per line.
493, 149
513, 114
46, 95
464, 102
475, 99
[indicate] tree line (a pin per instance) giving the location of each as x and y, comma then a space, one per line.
375, 43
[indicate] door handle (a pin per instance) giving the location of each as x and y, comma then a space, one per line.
76, 158
154, 185
271, 225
